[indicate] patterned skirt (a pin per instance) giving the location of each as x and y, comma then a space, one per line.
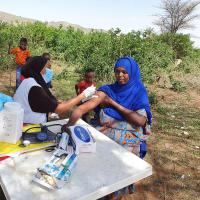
128, 136
122, 132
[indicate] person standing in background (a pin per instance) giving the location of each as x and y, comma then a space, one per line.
21, 54
48, 75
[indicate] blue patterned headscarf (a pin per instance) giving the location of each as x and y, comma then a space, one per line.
132, 95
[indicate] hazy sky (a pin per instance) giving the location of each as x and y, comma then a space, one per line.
104, 14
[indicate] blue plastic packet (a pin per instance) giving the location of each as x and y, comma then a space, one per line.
3, 99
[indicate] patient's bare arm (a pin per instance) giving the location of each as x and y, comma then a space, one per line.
86, 107
131, 116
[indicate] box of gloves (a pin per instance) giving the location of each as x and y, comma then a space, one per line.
83, 139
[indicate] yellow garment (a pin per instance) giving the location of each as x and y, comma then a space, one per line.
7, 149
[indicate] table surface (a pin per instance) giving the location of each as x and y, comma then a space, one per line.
96, 174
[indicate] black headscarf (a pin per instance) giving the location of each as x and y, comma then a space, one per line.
32, 68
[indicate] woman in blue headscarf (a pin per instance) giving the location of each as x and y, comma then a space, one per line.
125, 114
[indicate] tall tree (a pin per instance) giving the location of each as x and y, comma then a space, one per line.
177, 14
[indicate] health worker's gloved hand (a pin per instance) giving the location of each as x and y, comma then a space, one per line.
88, 92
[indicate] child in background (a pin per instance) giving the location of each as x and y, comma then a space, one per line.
21, 54
87, 82
48, 76
82, 85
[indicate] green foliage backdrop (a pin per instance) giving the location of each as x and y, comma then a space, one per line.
98, 50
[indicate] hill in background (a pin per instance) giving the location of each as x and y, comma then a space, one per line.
14, 19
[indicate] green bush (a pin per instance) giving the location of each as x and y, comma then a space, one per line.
178, 86
191, 63
153, 98
100, 50
161, 110
180, 43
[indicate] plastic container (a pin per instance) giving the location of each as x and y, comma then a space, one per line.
85, 143
11, 122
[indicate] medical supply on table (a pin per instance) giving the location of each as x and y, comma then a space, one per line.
28, 142
54, 176
44, 135
11, 122
57, 171
85, 143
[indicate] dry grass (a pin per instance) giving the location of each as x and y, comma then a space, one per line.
173, 149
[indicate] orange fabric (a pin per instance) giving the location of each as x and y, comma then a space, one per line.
82, 85
20, 55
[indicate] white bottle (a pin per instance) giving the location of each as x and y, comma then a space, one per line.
11, 122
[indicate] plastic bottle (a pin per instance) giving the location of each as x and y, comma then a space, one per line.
11, 122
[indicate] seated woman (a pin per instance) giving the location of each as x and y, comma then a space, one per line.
35, 97
126, 110
125, 114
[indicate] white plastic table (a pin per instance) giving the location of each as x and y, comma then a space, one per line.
96, 174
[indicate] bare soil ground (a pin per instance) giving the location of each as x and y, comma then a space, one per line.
173, 148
